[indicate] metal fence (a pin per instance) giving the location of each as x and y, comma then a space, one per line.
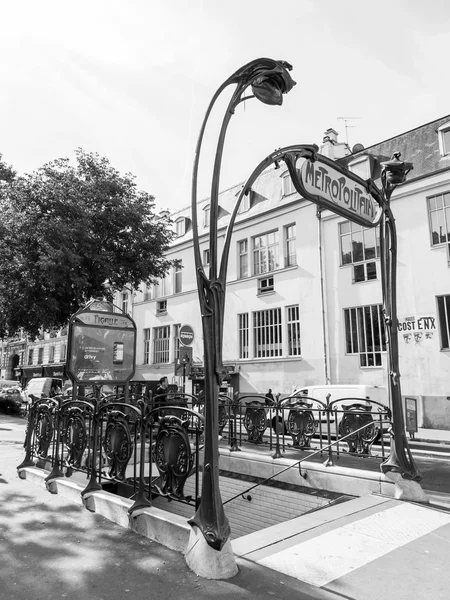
303, 423
139, 448
145, 446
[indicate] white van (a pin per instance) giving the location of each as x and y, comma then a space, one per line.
40, 387
363, 392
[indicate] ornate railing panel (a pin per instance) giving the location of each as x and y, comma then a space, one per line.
75, 437
355, 416
301, 424
173, 457
40, 432
117, 443
255, 420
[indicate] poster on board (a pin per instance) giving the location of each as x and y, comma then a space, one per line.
101, 353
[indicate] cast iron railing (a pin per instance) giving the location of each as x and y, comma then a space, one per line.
146, 447
301, 423
140, 448
298, 464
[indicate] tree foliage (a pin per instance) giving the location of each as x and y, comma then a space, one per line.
70, 233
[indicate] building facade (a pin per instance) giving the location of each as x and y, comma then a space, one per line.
22, 359
304, 298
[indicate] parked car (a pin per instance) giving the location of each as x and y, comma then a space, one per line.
12, 400
8, 383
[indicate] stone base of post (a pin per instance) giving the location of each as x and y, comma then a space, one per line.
405, 489
207, 562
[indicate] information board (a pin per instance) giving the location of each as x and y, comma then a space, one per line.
102, 345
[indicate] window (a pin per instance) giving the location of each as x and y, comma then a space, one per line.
243, 335
265, 253
245, 204
206, 213
161, 307
161, 342
62, 353
443, 303
146, 346
40, 356
288, 186
51, 354
360, 246
365, 334
290, 251
160, 288
205, 259
439, 211
361, 166
293, 330
267, 333
177, 283
444, 139
243, 258
30, 356
176, 342
148, 292
265, 285
180, 226
125, 297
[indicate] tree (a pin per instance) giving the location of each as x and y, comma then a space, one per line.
72, 233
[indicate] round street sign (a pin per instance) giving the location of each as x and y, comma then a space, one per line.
186, 335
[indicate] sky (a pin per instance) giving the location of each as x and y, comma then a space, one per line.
131, 80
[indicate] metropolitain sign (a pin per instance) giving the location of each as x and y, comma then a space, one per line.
332, 186
339, 189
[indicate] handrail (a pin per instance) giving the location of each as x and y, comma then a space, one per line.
320, 450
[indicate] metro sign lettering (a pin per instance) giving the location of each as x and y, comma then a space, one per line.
339, 191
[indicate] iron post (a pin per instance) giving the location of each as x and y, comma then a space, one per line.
268, 80
400, 460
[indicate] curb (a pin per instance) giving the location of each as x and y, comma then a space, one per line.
167, 529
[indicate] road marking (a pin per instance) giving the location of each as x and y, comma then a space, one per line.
332, 555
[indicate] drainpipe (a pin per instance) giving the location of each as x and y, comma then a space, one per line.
323, 297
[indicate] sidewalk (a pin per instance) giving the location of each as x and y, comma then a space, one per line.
370, 547
441, 436
53, 549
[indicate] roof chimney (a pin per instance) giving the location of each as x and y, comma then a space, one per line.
331, 147
330, 135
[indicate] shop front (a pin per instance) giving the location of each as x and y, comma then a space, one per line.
55, 371
29, 373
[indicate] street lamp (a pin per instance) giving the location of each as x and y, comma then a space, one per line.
393, 173
269, 80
